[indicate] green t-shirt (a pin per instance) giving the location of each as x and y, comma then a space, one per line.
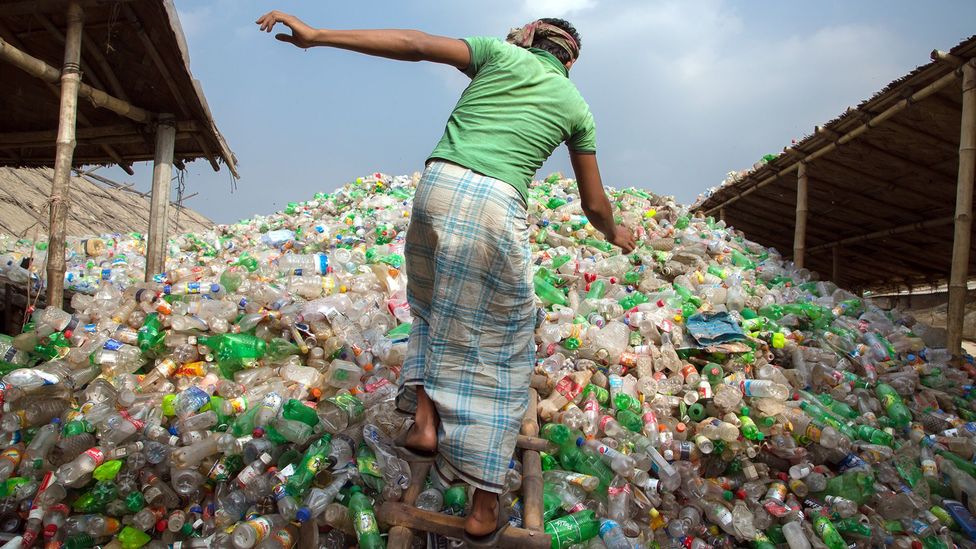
519, 107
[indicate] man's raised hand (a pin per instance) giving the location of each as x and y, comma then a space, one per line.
301, 35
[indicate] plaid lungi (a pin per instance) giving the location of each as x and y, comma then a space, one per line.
471, 345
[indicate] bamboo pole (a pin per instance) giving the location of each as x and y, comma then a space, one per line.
67, 119
400, 514
901, 105
964, 210
159, 202
531, 469
40, 69
721, 214
800, 228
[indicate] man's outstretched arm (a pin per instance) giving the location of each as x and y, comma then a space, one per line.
595, 203
403, 45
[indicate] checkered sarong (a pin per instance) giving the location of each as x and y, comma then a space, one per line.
471, 346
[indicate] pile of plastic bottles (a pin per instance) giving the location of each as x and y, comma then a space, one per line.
699, 392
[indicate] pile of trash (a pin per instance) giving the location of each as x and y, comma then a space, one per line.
699, 392
734, 177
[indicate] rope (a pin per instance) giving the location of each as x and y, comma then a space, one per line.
180, 189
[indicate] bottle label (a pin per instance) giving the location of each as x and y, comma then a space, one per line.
262, 527
568, 388
97, 455
365, 524
619, 490
112, 344
606, 527
352, 406
12, 455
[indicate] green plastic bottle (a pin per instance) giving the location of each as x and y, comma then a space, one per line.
130, 538
855, 486
455, 500
874, 436
151, 335
825, 529
549, 294
597, 289
315, 459
235, 346
573, 529
897, 412
364, 520
853, 527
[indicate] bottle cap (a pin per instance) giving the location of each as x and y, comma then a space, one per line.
303, 514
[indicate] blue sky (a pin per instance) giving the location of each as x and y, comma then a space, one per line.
682, 91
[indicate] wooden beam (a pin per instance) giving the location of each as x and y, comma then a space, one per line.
399, 514
46, 137
60, 192
800, 225
159, 202
40, 69
901, 105
48, 6
964, 212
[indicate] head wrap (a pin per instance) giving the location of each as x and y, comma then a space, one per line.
526, 35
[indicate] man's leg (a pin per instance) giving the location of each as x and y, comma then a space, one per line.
483, 517
423, 435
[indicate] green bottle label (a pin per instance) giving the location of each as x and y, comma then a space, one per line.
353, 407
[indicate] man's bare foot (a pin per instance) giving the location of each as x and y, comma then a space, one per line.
483, 518
422, 435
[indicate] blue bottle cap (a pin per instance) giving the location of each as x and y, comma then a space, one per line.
303, 514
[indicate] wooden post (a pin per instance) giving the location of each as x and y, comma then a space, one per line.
800, 230
67, 119
835, 268
401, 537
964, 210
159, 202
531, 469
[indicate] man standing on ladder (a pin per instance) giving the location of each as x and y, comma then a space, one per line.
472, 349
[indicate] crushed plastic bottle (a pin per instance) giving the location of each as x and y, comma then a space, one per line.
699, 392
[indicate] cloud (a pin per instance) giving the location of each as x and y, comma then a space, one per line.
555, 8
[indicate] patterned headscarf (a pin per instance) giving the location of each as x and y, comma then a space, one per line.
524, 36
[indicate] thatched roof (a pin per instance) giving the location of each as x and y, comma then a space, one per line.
883, 196
132, 50
96, 208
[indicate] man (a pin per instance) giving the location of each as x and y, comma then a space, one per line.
471, 349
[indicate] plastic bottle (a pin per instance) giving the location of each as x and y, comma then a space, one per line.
364, 521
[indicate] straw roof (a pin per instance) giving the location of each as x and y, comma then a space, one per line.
96, 208
133, 51
883, 197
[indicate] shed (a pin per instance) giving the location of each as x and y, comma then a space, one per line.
881, 196
101, 82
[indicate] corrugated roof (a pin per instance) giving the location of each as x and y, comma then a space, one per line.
895, 182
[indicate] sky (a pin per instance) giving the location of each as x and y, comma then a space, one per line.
682, 91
